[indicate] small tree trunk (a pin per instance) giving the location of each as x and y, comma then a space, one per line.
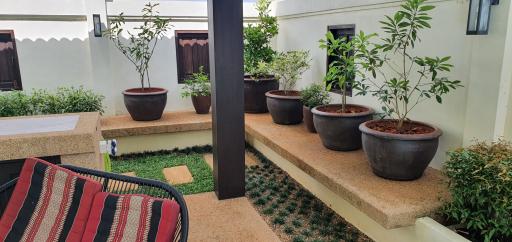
344, 99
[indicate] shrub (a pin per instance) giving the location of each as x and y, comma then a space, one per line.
314, 95
480, 182
408, 80
288, 66
63, 100
198, 85
257, 41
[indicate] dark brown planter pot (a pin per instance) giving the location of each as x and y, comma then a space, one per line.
254, 93
400, 157
202, 104
308, 119
340, 131
284, 108
145, 104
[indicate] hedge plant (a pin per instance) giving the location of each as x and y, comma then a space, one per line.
314, 95
480, 182
42, 101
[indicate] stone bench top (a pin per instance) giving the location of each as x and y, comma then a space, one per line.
48, 135
392, 204
171, 122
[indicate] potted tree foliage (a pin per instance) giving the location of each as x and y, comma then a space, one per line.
144, 103
199, 89
399, 148
338, 124
258, 54
312, 96
285, 105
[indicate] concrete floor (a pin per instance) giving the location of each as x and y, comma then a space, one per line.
227, 220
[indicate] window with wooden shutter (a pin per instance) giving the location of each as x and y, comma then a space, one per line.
191, 52
9, 67
346, 31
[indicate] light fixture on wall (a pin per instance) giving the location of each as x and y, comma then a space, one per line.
97, 25
479, 16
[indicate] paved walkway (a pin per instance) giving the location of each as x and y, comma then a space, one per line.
227, 220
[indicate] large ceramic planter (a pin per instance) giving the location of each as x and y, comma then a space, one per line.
254, 93
145, 104
202, 104
285, 107
340, 131
308, 119
399, 156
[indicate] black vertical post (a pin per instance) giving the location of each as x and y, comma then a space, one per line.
225, 37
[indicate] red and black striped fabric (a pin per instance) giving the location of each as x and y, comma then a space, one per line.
49, 203
131, 218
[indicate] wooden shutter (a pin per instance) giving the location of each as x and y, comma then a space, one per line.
9, 67
192, 52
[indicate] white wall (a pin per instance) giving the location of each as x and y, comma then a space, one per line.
56, 45
467, 113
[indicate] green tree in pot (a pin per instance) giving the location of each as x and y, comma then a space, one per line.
399, 148
338, 124
258, 54
285, 105
145, 103
313, 96
199, 89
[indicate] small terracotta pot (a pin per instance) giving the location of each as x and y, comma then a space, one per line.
308, 119
285, 107
400, 157
202, 104
254, 93
145, 104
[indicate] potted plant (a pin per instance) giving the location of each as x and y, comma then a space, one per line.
198, 88
258, 54
285, 105
338, 124
399, 148
144, 103
312, 96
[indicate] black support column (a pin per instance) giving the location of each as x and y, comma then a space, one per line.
225, 30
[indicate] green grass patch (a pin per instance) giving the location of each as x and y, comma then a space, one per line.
150, 166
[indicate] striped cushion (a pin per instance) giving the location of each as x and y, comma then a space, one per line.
49, 203
131, 218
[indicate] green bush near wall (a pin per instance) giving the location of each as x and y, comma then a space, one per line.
480, 182
41, 101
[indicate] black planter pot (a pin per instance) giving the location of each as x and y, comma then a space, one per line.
308, 119
145, 104
254, 93
400, 157
340, 131
202, 104
285, 107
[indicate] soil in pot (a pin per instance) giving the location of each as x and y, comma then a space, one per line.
339, 130
308, 119
399, 154
254, 93
202, 104
285, 106
145, 104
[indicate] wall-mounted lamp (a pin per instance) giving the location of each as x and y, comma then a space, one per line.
479, 16
97, 25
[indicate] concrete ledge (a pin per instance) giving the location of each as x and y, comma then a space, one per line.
391, 204
171, 122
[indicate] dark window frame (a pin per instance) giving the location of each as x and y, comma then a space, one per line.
349, 30
181, 34
17, 83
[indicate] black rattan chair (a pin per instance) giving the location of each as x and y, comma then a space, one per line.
120, 184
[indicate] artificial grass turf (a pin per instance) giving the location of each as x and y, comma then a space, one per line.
151, 165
